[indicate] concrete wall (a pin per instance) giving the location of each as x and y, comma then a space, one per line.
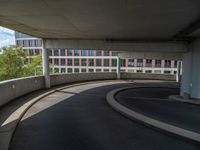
12, 89
148, 76
78, 77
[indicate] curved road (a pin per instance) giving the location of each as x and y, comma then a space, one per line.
79, 118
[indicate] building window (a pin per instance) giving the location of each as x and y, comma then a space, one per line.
122, 62
91, 53
63, 70
55, 52
56, 70
98, 53
31, 43
62, 52
91, 70
91, 62
106, 70
69, 62
69, 52
131, 62
76, 52
106, 53
98, 62
114, 53
106, 62
98, 70
175, 64
63, 62
148, 71
31, 52
158, 63
76, 62
55, 61
37, 51
167, 63
25, 43
139, 71
38, 43
69, 70
19, 43
83, 70
83, 62
114, 62
149, 63
140, 63
83, 53
50, 61
167, 72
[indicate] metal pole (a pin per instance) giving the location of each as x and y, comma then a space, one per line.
178, 74
45, 64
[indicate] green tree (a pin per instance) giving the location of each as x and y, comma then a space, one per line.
12, 64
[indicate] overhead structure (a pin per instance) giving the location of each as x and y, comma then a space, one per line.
133, 25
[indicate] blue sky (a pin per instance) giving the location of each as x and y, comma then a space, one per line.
7, 37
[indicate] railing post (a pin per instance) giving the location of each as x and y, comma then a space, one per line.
45, 64
118, 67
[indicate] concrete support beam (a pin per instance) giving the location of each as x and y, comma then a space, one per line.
190, 86
172, 47
45, 63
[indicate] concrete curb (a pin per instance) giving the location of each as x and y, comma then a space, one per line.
6, 139
181, 99
147, 120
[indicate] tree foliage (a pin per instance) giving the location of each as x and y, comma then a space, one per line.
12, 64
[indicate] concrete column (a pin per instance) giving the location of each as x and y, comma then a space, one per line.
190, 86
178, 74
45, 63
118, 68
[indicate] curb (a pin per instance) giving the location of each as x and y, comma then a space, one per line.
181, 99
187, 134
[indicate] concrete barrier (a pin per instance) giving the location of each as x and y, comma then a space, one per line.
149, 76
12, 89
80, 77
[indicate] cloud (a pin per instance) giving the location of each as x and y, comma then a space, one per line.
7, 37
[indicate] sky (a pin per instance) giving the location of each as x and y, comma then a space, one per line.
7, 37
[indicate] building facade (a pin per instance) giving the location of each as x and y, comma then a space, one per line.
78, 61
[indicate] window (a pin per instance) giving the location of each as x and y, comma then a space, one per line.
31, 52
55, 52
106, 53
122, 62
149, 63
157, 71
69, 70
76, 52
98, 70
56, 70
175, 64
83, 53
114, 53
62, 52
55, 61
83, 62
91, 62
19, 43
50, 61
148, 71
113, 70
91, 53
76, 62
98, 62
63, 62
76, 70
158, 63
167, 72
131, 62
106, 62
26, 43
31, 43
140, 63
114, 62
167, 63
37, 51
83, 70
106, 70
69, 62
98, 53
139, 71
69, 52
63, 70
91, 70
38, 43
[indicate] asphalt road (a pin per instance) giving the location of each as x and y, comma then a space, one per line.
180, 114
79, 118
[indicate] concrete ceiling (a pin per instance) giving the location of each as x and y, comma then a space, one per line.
103, 19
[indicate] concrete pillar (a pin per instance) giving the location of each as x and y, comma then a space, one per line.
45, 63
118, 68
190, 86
178, 74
